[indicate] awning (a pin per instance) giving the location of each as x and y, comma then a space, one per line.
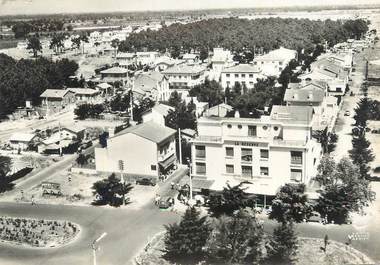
168, 162
199, 184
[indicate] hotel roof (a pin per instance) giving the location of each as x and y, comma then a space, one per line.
241, 68
292, 114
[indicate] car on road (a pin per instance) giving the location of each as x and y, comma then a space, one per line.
165, 203
376, 131
315, 217
347, 113
146, 182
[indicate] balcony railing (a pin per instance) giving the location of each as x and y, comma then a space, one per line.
204, 138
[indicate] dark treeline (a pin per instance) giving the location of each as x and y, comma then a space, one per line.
27, 79
241, 34
21, 29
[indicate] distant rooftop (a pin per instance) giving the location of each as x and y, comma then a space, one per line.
242, 68
84, 91
115, 70
184, 69
54, 93
278, 55
151, 131
304, 95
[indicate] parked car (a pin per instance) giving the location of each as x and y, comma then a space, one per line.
146, 182
315, 217
376, 131
374, 178
85, 145
347, 113
165, 203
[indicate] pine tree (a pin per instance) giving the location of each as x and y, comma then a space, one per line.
282, 247
362, 113
236, 239
185, 241
361, 153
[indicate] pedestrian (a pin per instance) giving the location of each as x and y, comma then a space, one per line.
172, 185
178, 186
32, 199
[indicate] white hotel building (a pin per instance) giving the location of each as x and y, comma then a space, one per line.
268, 152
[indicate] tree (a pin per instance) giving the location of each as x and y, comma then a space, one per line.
56, 43
361, 153
236, 239
343, 190
34, 44
231, 199
282, 246
111, 191
145, 105
120, 103
185, 241
115, 44
291, 204
362, 112
327, 140
5, 169
82, 159
203, 54
209, 91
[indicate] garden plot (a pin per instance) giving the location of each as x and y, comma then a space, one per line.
37, 233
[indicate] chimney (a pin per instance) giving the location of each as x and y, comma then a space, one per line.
237, 114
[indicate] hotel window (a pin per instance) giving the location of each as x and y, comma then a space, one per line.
296, 175
243, 75
229, 126
264, 153
252, 131
200, 168
230, 169
296, 157
227, 75
251, 83
229, 151
200, 151
250, 75
236, 75
280, 63
264, 171
240, 126
228, 83
246, 154
153, 167
246, 171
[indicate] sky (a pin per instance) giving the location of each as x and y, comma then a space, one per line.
84, 6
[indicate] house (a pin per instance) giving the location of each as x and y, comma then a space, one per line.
190, 58
267, 152
220, 110
86, 95
162, 63
152, 84
146, 58
114, 74
272, 63
22, 141
245, 74
145, 150
182, 77
157, 114
72, 132
220, 60
188, 134
124, 59
55, 100
104, 88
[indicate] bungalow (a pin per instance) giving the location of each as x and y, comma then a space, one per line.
125, 59
22, 141
245, 74
104, 88
146, 150
153, 84
157, 114
57, 99
86, 95
272, 63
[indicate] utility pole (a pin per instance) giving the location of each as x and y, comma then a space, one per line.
190, 180
180, 145
121, 168
95, 248
60, 138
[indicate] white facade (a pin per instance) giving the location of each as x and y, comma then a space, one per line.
244, 74
272, 63
220, 60
267, 152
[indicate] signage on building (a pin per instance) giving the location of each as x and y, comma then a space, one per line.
250, 144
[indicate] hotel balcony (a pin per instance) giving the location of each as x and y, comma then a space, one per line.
207, 139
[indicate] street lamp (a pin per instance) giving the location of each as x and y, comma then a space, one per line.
94, 247
191, 181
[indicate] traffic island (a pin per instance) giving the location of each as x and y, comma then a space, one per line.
37, 233
310, 251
